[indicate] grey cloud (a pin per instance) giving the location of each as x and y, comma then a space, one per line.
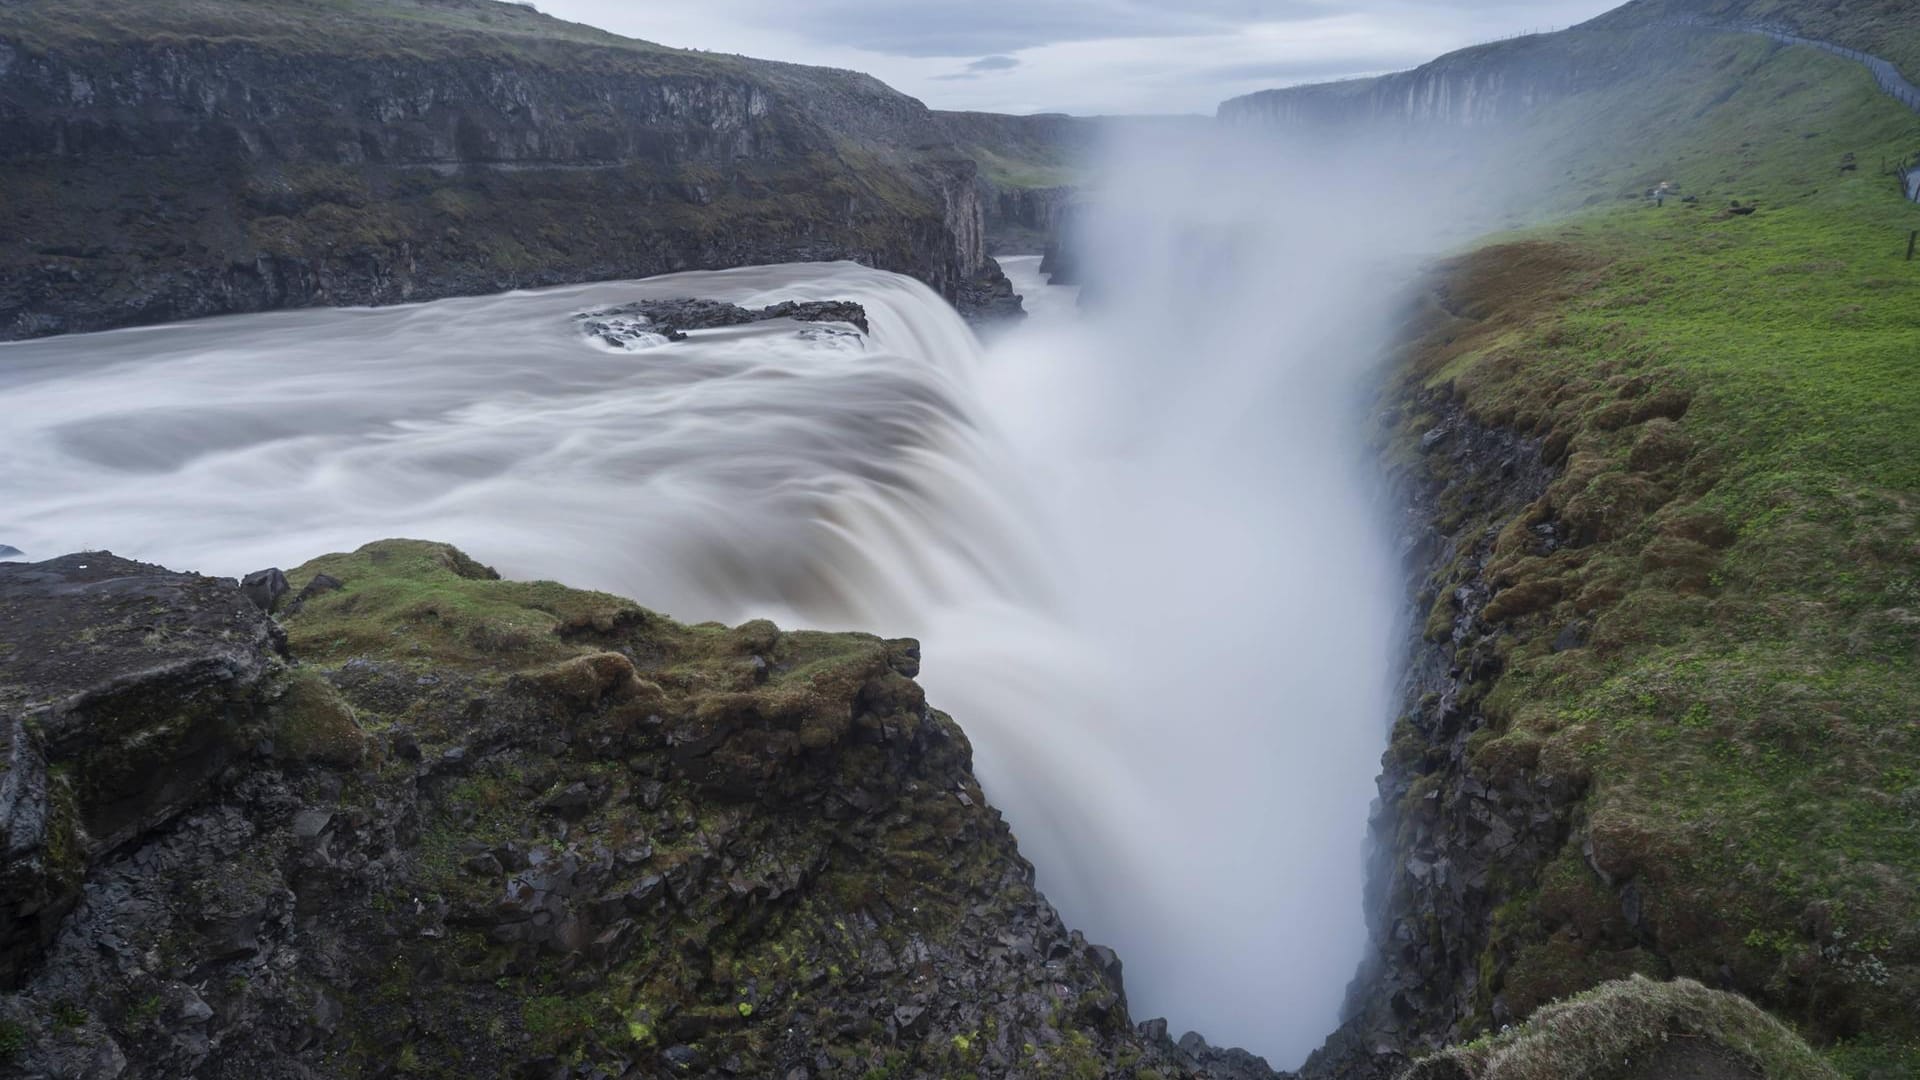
993, 63
968, 36
979, 27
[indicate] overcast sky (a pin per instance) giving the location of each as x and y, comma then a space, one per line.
1083, 56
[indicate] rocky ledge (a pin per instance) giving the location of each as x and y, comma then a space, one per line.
388, 815
647, 321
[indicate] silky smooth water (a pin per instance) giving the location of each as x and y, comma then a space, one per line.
1139, 548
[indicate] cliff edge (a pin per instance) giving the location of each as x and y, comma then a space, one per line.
427, 822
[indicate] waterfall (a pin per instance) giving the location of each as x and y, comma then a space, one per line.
1140, 541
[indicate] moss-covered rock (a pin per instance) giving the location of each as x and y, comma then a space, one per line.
1637, 1029
514, 829
311, 722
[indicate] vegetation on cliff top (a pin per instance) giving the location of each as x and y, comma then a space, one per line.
743, 835
1886, 28
1639, 1030
421, 29
1724, 644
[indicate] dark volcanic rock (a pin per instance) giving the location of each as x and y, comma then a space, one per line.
265, 588
535, 828
991, 300
1433, 880
639, 322
845, 311
126, 690
168, 161
319, 586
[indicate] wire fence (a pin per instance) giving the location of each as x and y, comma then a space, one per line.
1894, 84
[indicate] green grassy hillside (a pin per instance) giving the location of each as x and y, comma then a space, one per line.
1734, 401
409, 28
1886, 28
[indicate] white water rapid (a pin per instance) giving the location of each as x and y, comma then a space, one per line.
1140, 545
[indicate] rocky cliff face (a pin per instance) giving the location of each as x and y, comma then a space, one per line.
1474, 87
185, 160
1023, 221
1448, 840
1558, 497
431, 823
1501, 81
1030, 169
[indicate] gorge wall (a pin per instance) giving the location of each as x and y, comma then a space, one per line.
1031, 169
1593, 744
177, 160
1477, 87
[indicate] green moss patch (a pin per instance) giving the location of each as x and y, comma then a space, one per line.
429, 604
1636, 1029
311, 722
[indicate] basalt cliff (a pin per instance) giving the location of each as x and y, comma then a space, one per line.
171, 160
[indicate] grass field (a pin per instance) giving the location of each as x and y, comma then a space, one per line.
1737, 398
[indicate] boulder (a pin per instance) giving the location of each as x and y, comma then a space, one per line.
126, 689
320, 586
265, 588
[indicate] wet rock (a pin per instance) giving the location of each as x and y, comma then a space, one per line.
484, 865
845, 311
310, 824
651, 322
193, 1010
1432, 888
1107, 962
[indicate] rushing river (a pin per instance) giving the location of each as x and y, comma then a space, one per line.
1142, 563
